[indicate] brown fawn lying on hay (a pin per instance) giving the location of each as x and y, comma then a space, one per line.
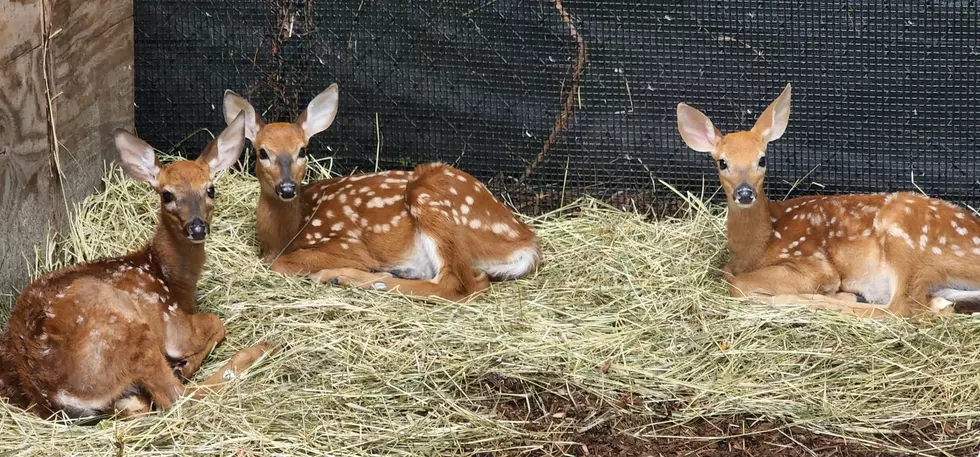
903, 253
118, 333
433, 231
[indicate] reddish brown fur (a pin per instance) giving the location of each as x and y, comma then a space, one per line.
96, 336
347, 229
903, 252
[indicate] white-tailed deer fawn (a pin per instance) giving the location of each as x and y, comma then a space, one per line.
433, 231
120, 332
903, 253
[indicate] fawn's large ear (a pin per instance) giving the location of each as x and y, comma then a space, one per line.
136, 157
320, 113
224, 149
697, 130
773, 121
234, 104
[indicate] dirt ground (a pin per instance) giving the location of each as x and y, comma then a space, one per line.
583, 425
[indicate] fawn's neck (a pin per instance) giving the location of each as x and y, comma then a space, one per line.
277, 222
179, 263
749, 232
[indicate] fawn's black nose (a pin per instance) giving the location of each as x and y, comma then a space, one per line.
286, 190
197, 230
745, 195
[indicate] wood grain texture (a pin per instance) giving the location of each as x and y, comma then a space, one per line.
90, 66
30, 200
20, 28
94, 86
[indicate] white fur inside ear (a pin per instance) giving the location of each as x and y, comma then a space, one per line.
321, 112
251, 127
229, 145
779, 120
136, 157
146, 170
234, 105
709, 131
696, 129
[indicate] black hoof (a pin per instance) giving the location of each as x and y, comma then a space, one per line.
179, 374
335, 281
860, 299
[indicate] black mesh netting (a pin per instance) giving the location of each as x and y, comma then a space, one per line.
885, 93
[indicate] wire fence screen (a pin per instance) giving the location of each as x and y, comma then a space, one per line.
885, 93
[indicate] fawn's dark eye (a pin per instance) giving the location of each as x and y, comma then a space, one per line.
263, 155
722, 164
167, 196
762, 162
211, 191
302, 153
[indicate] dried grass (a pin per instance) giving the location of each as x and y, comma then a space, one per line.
368, 373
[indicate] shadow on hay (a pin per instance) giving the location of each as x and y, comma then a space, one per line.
562, 422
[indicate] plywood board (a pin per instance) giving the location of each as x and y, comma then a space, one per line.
30, 200
94, 87
20, 28
90, 79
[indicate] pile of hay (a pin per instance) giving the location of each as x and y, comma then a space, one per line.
628, 313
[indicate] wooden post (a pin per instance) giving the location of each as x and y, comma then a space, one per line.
66, 80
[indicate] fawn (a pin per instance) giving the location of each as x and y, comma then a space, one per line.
117, 332
901, 253
433, 231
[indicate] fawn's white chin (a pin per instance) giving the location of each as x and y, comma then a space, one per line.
192, 240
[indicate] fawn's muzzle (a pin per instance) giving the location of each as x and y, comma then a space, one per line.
744, 195
286, 190
197, 230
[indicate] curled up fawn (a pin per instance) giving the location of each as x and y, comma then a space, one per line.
902, 253
120, 333
432, 231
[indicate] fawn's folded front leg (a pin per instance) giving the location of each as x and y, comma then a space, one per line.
807, 282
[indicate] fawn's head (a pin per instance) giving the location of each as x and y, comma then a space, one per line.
739, 156
281, 146
186, 187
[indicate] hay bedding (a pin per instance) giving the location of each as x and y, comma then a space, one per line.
622, 308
